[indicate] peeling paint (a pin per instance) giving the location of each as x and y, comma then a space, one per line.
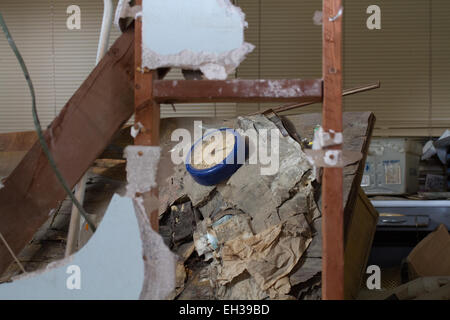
214, 66
214, 71
275, 89
142, 162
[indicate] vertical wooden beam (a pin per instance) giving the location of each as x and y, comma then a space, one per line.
147, 113
332, 180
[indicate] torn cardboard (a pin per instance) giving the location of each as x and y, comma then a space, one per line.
431, 257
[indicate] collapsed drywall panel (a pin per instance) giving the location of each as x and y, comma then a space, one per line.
124, 259
159, 261
196, 34
110, 266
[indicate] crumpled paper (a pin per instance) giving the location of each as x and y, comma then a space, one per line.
268, 256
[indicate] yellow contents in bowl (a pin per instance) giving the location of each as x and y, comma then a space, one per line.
212, 150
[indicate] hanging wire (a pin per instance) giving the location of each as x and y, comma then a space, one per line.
37, 125
12, 253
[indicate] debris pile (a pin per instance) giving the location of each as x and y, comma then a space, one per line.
254, 236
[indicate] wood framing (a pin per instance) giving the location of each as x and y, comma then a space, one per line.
332, 179
198, 91
147, 114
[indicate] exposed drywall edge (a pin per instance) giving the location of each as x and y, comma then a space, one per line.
150, 265
159, 261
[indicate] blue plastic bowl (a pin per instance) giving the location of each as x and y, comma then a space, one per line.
221, 171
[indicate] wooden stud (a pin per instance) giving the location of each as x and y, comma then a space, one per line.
332, 180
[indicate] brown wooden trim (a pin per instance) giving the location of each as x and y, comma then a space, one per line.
209, 91
332, 180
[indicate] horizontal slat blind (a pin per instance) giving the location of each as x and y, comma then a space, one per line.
288, 44
58, 59
405, 54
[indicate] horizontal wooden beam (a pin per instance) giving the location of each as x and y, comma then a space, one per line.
198, 91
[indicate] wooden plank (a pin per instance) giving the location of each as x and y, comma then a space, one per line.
204, 91
76, 137
347, 92
147, 114
332, 180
